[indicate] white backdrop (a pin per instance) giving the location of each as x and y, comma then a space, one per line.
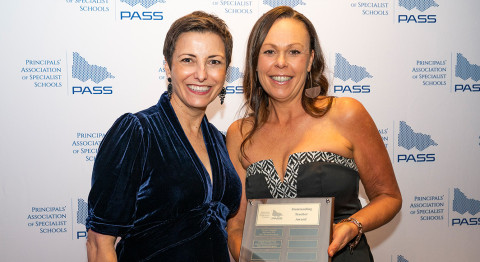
70, 67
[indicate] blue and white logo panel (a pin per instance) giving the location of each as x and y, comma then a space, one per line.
90, 79
403, 11
413, 145
291, 3
431, 72
400, 258
465, 209
145, 3
235, 8
234, 81
428, 208
455, 206
420, 5
140, 10
60, 218
416, 12
48, 219
92, 6
79, 212
372, 8
467, 75
350, 78
46, 73
85, 146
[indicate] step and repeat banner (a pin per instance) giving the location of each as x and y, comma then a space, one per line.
70, 67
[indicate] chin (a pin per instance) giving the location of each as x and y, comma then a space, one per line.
281, 96
200, 104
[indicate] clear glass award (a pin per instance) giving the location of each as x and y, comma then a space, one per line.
287, 229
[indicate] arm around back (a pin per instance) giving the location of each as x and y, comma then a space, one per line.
235, 224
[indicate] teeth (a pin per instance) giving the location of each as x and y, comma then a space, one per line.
198, 88
281, 78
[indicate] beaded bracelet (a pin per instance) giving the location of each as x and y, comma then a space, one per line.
360, 232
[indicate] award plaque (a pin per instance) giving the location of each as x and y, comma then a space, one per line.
287, 229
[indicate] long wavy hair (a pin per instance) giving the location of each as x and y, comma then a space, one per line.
256, 99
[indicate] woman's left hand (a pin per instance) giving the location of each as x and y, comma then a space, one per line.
342, 234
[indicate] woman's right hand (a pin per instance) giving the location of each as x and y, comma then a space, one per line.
100, 247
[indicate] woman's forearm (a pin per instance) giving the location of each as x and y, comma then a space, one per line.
379, 211
235, 243
100, 247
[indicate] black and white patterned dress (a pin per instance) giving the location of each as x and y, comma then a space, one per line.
313, 174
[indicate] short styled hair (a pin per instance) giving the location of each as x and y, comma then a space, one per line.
201, 22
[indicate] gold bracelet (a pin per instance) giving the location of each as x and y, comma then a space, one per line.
360, 232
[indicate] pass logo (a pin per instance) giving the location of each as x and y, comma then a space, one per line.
139, 13
421, 6
345, 71
409, 139
275, 3
465, 210
234, 75
469, 73
84, 71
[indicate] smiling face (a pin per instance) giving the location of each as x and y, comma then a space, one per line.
285, 60
197, 69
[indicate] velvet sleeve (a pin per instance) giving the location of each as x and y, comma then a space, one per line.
116, 177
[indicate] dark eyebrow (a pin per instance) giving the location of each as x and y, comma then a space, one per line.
211, 56
187, 55
290, 45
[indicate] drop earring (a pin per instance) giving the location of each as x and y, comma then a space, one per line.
222, 94
312, 92
169, 88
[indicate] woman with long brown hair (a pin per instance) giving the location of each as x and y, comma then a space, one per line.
298, 142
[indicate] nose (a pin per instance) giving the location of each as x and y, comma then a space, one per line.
201, 72
281, 61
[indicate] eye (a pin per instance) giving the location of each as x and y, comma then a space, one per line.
295, 52
215, 62
269, 52
186, 60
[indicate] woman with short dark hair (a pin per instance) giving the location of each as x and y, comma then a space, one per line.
162, 179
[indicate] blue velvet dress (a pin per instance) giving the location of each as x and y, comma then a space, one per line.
150, 188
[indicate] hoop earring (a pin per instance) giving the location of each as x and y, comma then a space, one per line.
169, 88
222, 94
312, 92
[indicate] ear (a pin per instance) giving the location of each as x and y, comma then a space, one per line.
310, 62
167, 69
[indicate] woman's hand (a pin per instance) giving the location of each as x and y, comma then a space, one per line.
342, 234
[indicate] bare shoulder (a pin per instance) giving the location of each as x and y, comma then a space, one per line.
348, 111
234, 128
240, 128
237, 132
